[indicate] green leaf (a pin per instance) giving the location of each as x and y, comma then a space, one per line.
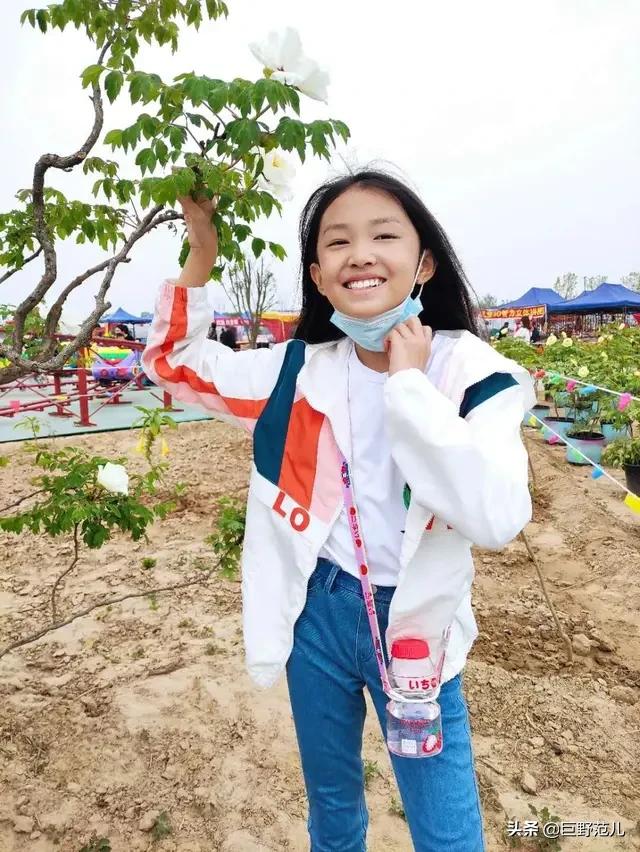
277, 251
148, 125
177, 136
196, 88
257, 246
291, 134
114, 138
91, 75
161, 151
218, 95
240, 94
28, 15
294, 99
194, 14
184, 181
318, 132
42, 16
245, 133
146, 159
130, 136
341, 129
144, 87
112, 84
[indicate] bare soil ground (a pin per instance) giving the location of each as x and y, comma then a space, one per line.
146, 709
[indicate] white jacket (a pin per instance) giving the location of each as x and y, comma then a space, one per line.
454, 433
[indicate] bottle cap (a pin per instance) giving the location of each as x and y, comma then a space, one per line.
410, 649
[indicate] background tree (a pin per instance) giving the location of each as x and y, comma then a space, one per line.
194, 134
567, 285
252, 292
487, 301
632, 280
593, 281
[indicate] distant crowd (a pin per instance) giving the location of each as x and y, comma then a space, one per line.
525, 329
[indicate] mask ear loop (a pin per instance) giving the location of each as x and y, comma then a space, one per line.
416, 276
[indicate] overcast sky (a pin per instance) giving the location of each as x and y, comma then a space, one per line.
517, 123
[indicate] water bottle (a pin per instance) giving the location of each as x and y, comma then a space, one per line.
414, 729
411, 669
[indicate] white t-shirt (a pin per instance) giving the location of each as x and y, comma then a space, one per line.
377, 483
523, 333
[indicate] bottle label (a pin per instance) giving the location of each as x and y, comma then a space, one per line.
408, 746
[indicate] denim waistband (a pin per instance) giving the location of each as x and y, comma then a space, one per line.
332, 575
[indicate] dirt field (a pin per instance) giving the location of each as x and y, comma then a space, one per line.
136, 711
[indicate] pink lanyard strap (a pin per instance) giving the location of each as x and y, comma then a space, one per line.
363, 572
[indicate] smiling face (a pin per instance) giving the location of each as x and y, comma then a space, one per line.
368, 252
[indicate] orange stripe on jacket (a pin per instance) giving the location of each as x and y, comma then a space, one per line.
298, 469
250, 408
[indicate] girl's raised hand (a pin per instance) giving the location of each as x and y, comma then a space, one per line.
201, 232
203, 240
408, 345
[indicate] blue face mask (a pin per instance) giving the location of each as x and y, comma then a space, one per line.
371, 332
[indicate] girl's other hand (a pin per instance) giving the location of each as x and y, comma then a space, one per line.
203, 241
408, 345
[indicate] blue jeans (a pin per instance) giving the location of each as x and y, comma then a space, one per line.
331, 661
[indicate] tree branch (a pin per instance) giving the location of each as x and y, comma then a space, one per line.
46, 162
11, 272
46, 363
19, 643
536, 565
54, 609
21, 500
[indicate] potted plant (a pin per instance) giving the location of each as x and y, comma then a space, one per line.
541, 410
614, 424
559, 423
585, 435
625, 453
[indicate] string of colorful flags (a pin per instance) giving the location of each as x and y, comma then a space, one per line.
587, 388
632, 501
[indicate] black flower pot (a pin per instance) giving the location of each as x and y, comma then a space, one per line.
632, 476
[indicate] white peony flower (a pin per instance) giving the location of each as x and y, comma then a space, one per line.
567, 342
283, 60
551, 340
277, 175
601, 339
583, 372
309, 78
622, 326
114, 478
279, 50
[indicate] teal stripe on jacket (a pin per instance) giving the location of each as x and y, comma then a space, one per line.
483, 390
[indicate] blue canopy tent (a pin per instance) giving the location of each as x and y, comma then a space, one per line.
535, 296
536, 303
220, 315
120, 315
605, 299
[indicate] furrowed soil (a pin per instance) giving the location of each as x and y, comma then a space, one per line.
138, 722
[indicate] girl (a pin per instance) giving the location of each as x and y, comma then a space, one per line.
524, 332
428, 418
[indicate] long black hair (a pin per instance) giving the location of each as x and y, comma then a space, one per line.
446, 301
